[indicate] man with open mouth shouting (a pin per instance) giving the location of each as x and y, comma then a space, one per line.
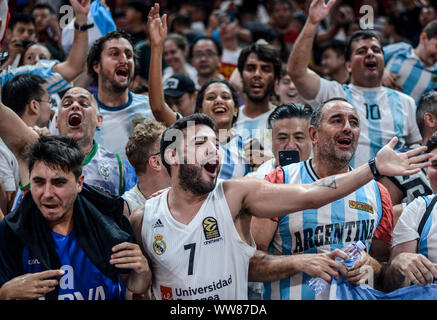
197, 234
77, 118
383, 112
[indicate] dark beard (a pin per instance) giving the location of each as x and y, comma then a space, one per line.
266, 95
190, 180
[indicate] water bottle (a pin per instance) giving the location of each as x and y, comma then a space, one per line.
353, 250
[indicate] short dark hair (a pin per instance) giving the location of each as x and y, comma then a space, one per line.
432, 143
265, 53
427, 103
431, 29
288, 111
217, 44
179, 125
20, 90
43, 6
95, 53
20, 17
357, 36
201, 95
339, 47
56, 152
316, 116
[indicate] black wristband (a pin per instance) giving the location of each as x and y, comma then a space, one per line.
374, 170
83, 27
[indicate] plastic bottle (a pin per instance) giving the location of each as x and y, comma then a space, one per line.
353, 250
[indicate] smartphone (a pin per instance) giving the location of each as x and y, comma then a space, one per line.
287, 157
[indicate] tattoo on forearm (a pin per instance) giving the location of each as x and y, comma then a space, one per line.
328, 182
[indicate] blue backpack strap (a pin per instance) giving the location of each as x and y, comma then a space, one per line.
426, 214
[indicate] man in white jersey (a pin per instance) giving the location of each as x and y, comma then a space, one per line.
111, 63
77, 118
143, 153
413, 70
414, 256
364, 215
383, 112
197, 234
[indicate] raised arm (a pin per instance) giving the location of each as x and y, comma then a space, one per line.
76, 60
157, 27
306, 81
17, 136
258, 196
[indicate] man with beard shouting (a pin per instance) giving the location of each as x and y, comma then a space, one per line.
197, 234
111, 63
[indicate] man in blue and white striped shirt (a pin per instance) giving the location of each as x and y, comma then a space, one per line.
413, 70
383, 112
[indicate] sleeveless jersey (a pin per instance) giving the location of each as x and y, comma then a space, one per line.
406, 228
205, 259
118, 122
333, 226
81, 280
383, 112
103, 169
134, 199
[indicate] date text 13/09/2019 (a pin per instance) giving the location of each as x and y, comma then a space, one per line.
223, 309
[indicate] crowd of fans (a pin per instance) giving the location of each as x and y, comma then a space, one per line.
334, 80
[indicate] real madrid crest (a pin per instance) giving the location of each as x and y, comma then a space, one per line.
159, 245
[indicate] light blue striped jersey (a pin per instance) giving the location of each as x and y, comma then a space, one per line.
54, 81
406, 228
415, 77
254, 128
333, 226
383, 112
233, 163
118, 122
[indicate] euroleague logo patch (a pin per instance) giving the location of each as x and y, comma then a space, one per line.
210, 228
159, 245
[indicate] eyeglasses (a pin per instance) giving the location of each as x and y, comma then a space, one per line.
207, 54
51, 102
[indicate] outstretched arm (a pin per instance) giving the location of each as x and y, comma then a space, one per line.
76, 60
256, 196
306, 81
157, 27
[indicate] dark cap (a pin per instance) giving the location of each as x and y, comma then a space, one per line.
177, 85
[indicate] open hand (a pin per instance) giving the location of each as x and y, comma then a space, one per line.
157, 26
390, 163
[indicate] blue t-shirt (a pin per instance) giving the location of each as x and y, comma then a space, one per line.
81, 280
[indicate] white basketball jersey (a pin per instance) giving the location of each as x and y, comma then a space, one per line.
205, 259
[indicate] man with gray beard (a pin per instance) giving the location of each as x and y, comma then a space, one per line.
197, 234
307, 236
